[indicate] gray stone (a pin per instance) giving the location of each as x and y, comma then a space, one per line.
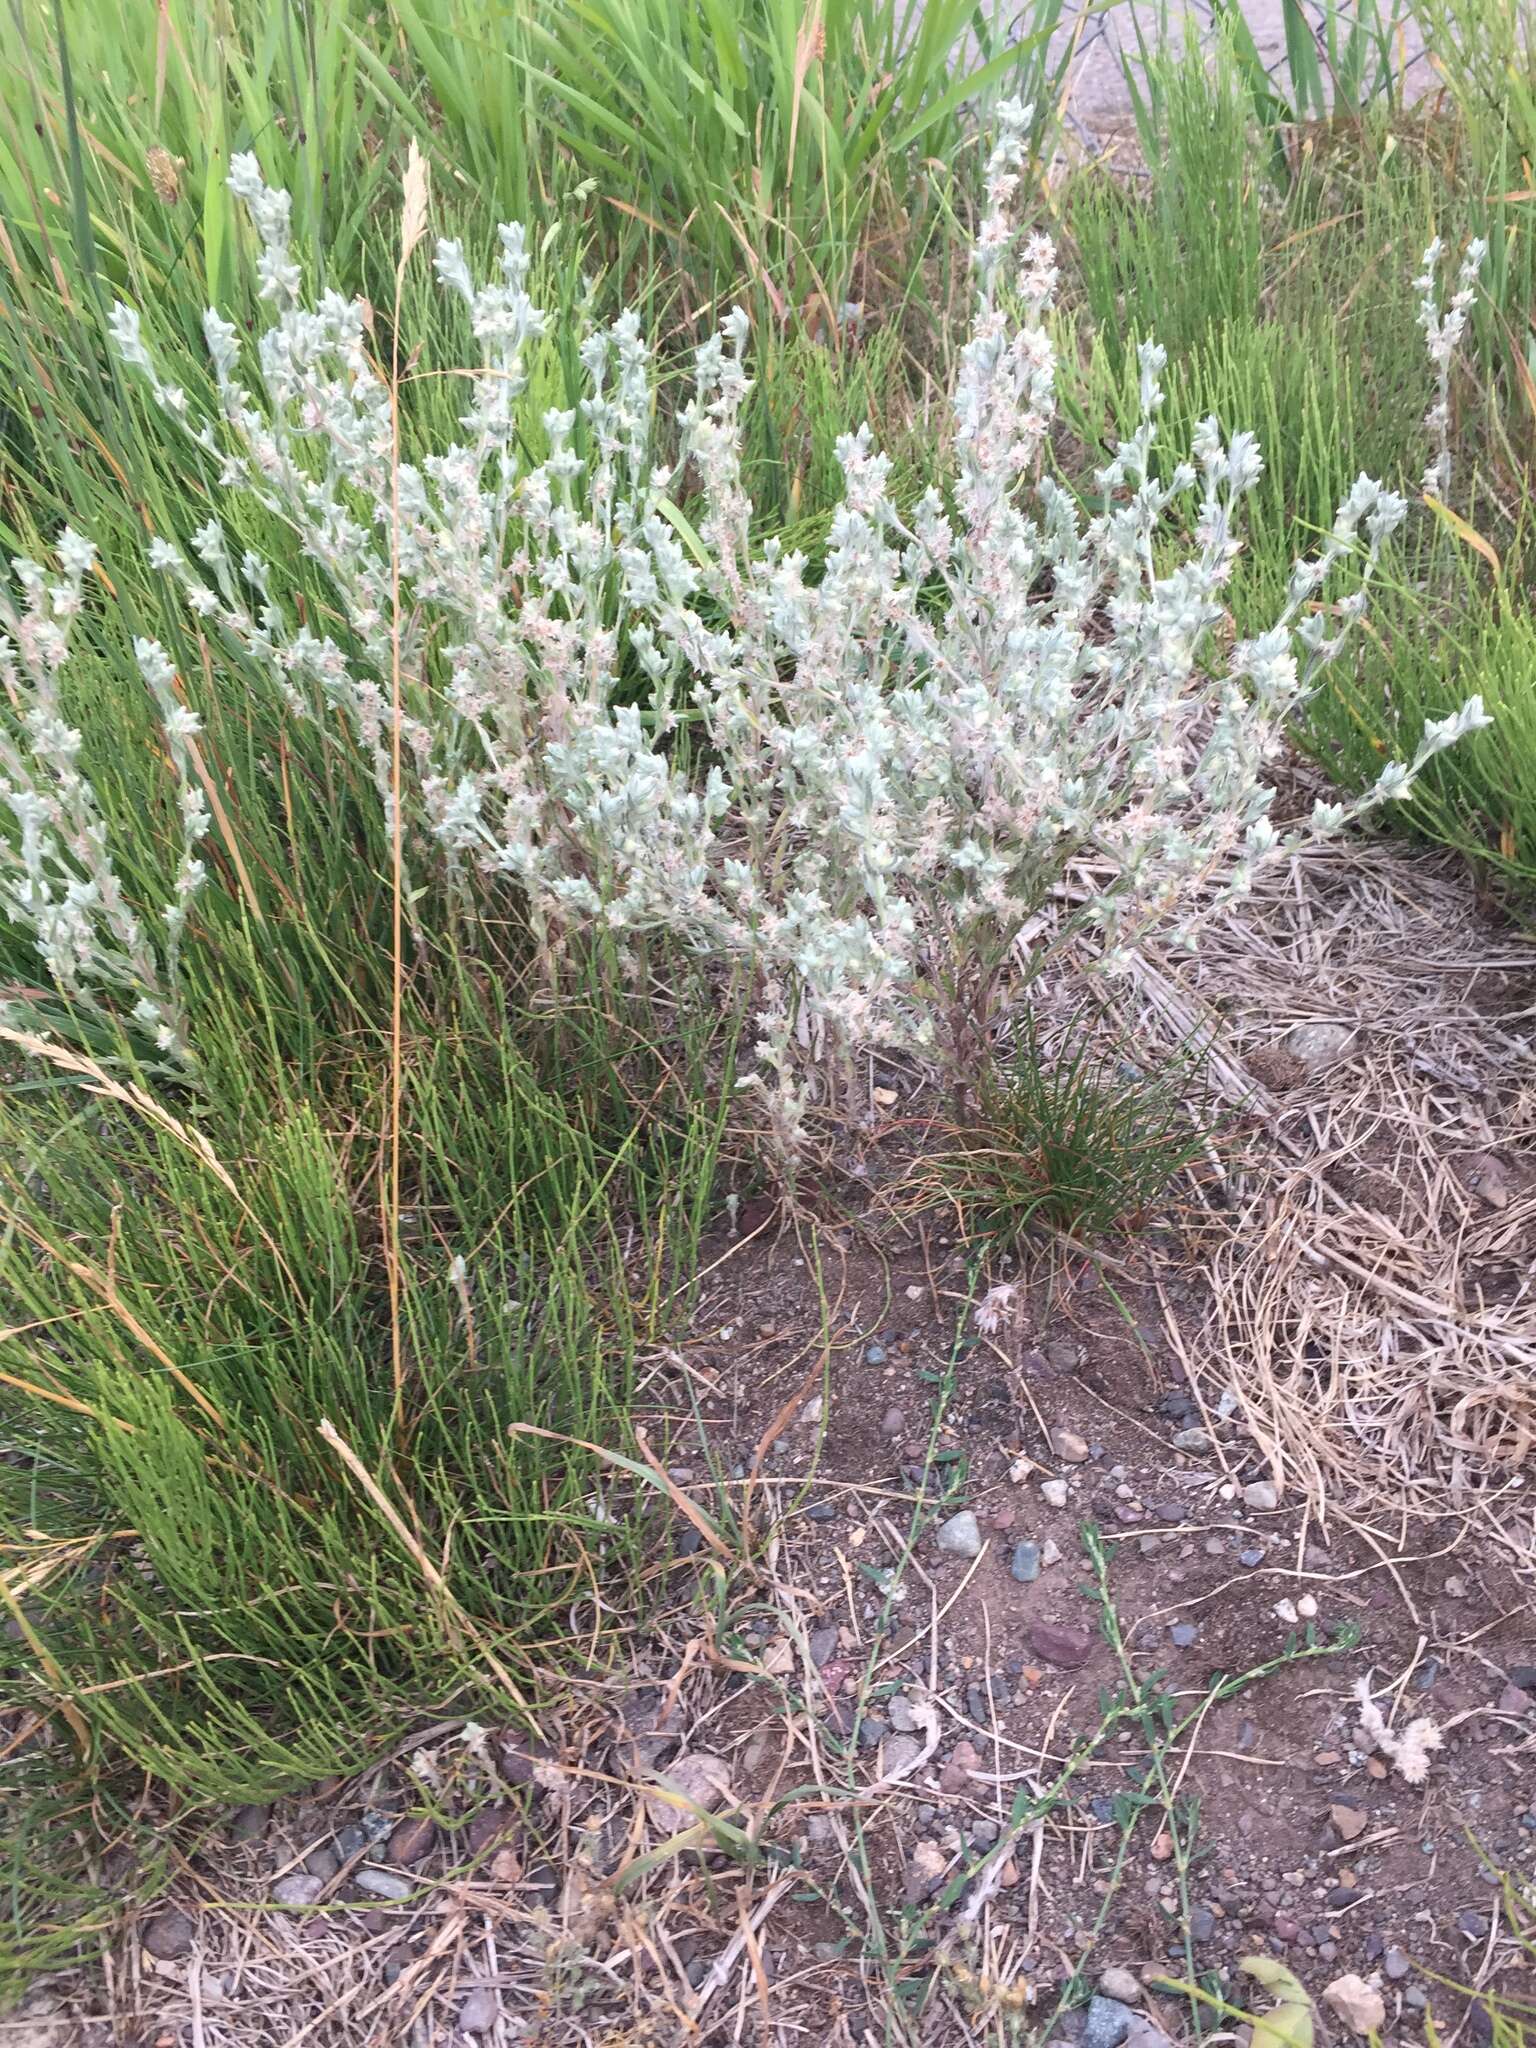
874, 1354
1071, 1448
1396, 1964
1182, 1634
898, 1711
898, 1753
1025, 1563
298, 1888
1123, 1986
1261, 1496
893, 1422
1054, 1492
823, 1644
479, 2012
960, 1536
248, 1823
1191, 1440
169, 1936
322, 1862
1202, 1924
384, 1884
1064, 1354
1107, 2024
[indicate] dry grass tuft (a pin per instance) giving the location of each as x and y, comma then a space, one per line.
1374, 1298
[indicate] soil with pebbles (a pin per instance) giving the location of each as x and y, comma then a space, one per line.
866, 1414
1308, 1847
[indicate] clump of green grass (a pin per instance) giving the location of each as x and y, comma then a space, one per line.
1290, 307
1072, 1137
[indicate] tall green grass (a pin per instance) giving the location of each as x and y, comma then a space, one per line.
1287, 306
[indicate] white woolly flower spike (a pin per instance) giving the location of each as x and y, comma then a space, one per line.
1410, 1750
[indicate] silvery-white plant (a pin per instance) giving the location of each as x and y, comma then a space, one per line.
1442, 337
57, 878
972, 727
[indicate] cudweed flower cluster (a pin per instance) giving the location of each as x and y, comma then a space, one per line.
1443, 335
908, 749
57, 877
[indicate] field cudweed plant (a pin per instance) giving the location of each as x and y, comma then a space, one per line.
865, 784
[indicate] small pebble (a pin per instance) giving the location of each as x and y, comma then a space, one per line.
384, 1884
1054, 1492
960, 1536
248, 1823
1107, 2024
297, 1888
1122, 1985
1250, 1558
169, 1936
1025, 1563
411, 1840
1261, 1496
1069, 1446
874, 1354
1191, 1440
893, 1422
479, 2012
1182, 1634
